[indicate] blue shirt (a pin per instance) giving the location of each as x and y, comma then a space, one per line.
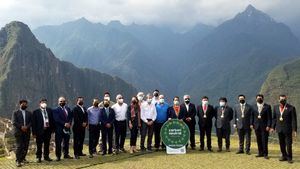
93, 115
162, 112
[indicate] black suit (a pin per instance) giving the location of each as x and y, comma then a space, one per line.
22, 138
262, 120
107, 133
80, 117
191, 124
222, 124
42, 131
172, 113
243, 121
205, 124
285, 128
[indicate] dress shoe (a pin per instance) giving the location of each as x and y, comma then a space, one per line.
81, 154
47, 159
248, 153
38, 160
57, 159
290, 161
266, 157
240, 152
77, 157
259, 155
283, 159
68, 157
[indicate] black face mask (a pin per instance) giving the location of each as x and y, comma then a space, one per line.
106, 105
242, 101
283, 101
187, 101
260, 101
80, 103
23, 107
62, 104
156, 94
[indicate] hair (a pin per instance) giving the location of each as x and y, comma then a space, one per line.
176, 97
205, 97
223, 99
135, 97
156, 90
23, 101
119, 95
105, 93
79, 97
259, 95
241, 95
186, 95
148, 95
282, 95
43, 100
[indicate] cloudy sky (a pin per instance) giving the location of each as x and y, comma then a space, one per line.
181, 13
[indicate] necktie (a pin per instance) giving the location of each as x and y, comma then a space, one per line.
204, 108
242, 109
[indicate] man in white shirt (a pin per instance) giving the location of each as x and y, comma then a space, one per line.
148, 116
120, 109
155, 99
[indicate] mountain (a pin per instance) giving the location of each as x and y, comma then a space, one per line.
236, 56
140, 54
283, 79
29, 70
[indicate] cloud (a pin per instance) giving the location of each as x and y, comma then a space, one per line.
181, 13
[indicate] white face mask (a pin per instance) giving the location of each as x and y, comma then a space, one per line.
222, 104
149, 100
161, 101
121, 101
176, 102
205, 102
140, 98
107, 98
43, 105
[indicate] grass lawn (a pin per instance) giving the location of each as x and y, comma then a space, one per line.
193, 159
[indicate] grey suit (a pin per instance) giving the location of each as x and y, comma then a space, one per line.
22, 138
243, 120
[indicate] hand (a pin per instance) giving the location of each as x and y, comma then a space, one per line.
234, 125
139, 125
34, 136
251, 126
271, 130
83, 124
108, 125
295, 134
169, 118
67, 125
24, 128
188, 119
130, 126
267, 128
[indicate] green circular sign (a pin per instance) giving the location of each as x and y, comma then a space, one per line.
175, 133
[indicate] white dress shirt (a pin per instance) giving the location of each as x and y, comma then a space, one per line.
24, 116
148, 111
120, 111
45, 117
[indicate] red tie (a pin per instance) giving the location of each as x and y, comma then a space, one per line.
281, 108
204, 108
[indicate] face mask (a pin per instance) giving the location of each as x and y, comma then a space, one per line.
161, 101
106, 104
259, 100
187, 101
283, 101
176, 102
62, 104
121, 101
24, 107
222, 104
43, 105
80, 103
96, 104
242, 101
134, 102
107, 98
149, 101
155, 94
205, 102
140, 98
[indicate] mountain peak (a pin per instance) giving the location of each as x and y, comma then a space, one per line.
115, 23
250, 8
252, 14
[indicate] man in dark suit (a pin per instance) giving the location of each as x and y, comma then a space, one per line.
262, 113
42, 128
21, 120
223, 115
205, 112
189, 112
243, 121
62, 116
80, 122
107, 117
285, 123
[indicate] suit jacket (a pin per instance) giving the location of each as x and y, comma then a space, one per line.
243, 123
191, 113
38, 121
104, 119
79, 117
210, 113
18, 122
223, 122
60, 118
266, 117
172, 113
289, 122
